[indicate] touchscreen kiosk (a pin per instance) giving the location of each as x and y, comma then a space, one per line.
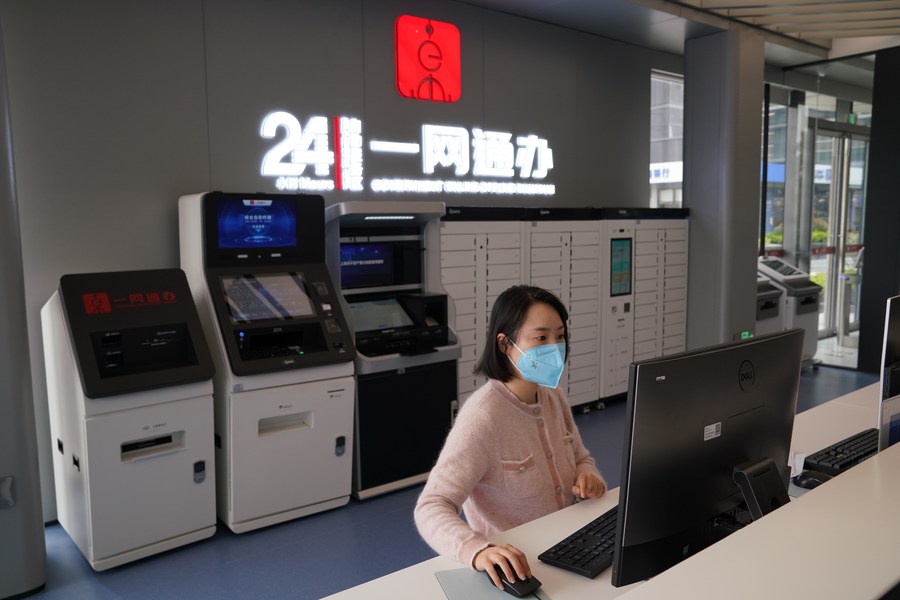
131, 414
270, 288
384, 257
616, 339
800, 302
283, 349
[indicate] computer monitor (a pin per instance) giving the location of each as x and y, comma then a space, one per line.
889, 419
691, 420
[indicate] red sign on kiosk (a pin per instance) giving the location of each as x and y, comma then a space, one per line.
428, 59
96, 304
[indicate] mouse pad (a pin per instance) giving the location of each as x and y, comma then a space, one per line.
466, 584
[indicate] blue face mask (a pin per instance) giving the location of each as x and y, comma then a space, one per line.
542, 365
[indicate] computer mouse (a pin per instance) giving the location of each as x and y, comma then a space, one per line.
518, 587
810, 480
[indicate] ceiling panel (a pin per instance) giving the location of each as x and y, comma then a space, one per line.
797, 32
821, 21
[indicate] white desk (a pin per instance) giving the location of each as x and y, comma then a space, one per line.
763, 560
827, 423
419, 583
786, 554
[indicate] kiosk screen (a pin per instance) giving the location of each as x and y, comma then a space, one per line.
270, 296
376, 264
620, 267
371, 315
256, 223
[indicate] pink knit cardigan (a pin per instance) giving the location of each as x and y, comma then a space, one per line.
504, 463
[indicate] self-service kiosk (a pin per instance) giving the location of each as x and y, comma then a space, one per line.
616, 305
283, 353
131, 414
768, 307
800, 303
385, 258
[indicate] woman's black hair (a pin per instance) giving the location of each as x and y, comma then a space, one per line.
507, 316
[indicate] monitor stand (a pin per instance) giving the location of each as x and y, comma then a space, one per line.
762, 487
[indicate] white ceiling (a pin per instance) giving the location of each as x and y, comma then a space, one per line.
821, 22
812, 36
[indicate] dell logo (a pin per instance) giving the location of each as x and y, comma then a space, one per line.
746, 375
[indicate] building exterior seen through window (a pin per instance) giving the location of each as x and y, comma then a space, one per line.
834, 188
666, 139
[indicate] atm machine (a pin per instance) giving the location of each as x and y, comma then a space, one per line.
131, 414
283, 353
385, 258
800, 303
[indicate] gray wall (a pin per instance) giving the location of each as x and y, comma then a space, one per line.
118, 108
22, 552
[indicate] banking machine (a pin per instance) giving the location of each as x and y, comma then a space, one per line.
385, 258
131, 414
283, 352
800, 302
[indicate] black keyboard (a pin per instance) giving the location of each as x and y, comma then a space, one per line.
588, 551
840, 456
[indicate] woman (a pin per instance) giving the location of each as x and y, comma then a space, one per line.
514, 453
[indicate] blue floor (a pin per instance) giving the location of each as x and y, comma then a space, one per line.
322, 554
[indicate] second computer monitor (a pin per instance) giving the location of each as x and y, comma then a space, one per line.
691, 420
889, 420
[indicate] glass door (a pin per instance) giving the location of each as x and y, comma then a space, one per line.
836, 232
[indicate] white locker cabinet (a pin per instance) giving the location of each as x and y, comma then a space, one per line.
504, 256
542, 255
580, 267
660, 289
564, 259
497, 262
457, 258
551, 282
572, 259
458, 291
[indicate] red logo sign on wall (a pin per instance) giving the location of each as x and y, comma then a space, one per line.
428, 59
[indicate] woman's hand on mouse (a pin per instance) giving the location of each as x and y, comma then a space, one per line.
509, 558
588, 485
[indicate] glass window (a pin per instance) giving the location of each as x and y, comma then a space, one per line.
863, 112
821, 106
666, 137
774, 184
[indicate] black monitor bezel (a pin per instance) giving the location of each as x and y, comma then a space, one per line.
889, 379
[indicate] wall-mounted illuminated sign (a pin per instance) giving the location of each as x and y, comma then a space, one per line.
427, 56
328, 154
